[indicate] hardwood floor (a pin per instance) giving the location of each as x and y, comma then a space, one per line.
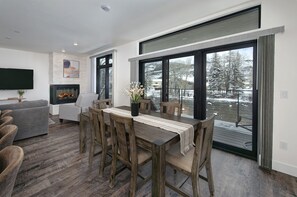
53, 166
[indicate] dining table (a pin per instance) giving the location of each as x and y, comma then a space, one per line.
153, 138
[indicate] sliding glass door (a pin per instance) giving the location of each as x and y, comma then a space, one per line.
181, 83
220, 81
152, 81
231, 96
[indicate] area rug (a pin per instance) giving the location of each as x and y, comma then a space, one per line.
50, 121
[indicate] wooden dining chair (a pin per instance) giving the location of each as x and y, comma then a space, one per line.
6, 120
6, 112
99, 136
125, 149
194, 160
145, 106
171, 108
7, 134
102, 104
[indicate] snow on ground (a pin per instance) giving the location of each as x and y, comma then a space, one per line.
227, 125
231, 126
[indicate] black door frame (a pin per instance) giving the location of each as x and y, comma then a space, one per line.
228, 148
106, 67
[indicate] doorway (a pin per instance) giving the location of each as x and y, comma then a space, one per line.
231, 95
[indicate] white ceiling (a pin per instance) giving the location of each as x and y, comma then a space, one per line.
52, 25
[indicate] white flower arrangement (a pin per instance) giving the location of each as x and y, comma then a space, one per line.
135, 92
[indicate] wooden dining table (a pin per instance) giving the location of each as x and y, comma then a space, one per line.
155, 139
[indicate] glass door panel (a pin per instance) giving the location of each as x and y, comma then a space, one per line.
181, 83
153, 82
104, 77
110, 81
229, 95
102, 84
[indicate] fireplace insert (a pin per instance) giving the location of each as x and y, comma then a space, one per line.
63, 93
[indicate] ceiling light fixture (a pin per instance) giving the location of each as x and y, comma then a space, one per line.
75, 44
106, 8
63, 51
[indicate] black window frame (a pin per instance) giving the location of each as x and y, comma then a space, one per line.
203, 24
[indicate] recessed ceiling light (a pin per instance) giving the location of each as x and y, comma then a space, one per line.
75, 44
63, 51
106, 8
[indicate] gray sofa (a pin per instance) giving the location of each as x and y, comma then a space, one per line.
31, 117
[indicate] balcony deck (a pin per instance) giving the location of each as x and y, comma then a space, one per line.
233, 138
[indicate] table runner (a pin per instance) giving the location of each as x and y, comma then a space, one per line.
185, 131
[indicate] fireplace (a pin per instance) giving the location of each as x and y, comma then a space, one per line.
63, 93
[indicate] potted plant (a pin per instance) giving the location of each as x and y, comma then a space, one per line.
21, 93
135, 93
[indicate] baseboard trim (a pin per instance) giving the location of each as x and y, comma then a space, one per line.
284, 168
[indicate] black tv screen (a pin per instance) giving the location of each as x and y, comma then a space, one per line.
16, 79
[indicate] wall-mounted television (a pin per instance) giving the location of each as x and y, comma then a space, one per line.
16, 79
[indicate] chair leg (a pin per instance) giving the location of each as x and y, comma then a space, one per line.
195, 186
133, 182
91, 153
209, 177
102, 162
113, 170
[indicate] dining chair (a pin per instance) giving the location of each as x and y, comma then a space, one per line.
6, 120
171, 108
99, 136
194, 160
102, 103
145, 106
11, 158
6, 112
7, 134
125, 149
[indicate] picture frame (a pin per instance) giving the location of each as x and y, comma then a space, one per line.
70, 68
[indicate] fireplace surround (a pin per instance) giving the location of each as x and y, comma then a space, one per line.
63, 93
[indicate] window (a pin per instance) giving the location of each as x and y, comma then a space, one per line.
238, 22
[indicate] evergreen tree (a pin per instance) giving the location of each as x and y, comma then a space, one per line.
216, 73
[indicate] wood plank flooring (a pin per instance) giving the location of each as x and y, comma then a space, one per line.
53, 166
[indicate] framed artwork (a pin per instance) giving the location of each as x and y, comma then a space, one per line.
70, 69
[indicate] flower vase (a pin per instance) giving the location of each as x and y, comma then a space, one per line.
134, 109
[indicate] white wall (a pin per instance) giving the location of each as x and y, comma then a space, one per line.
274, 13
39, 62
56, 71
122, 73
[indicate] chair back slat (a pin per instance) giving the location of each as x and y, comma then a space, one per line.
95, 124
102, 104
123, 136
145, 106
170, 108
203, 142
